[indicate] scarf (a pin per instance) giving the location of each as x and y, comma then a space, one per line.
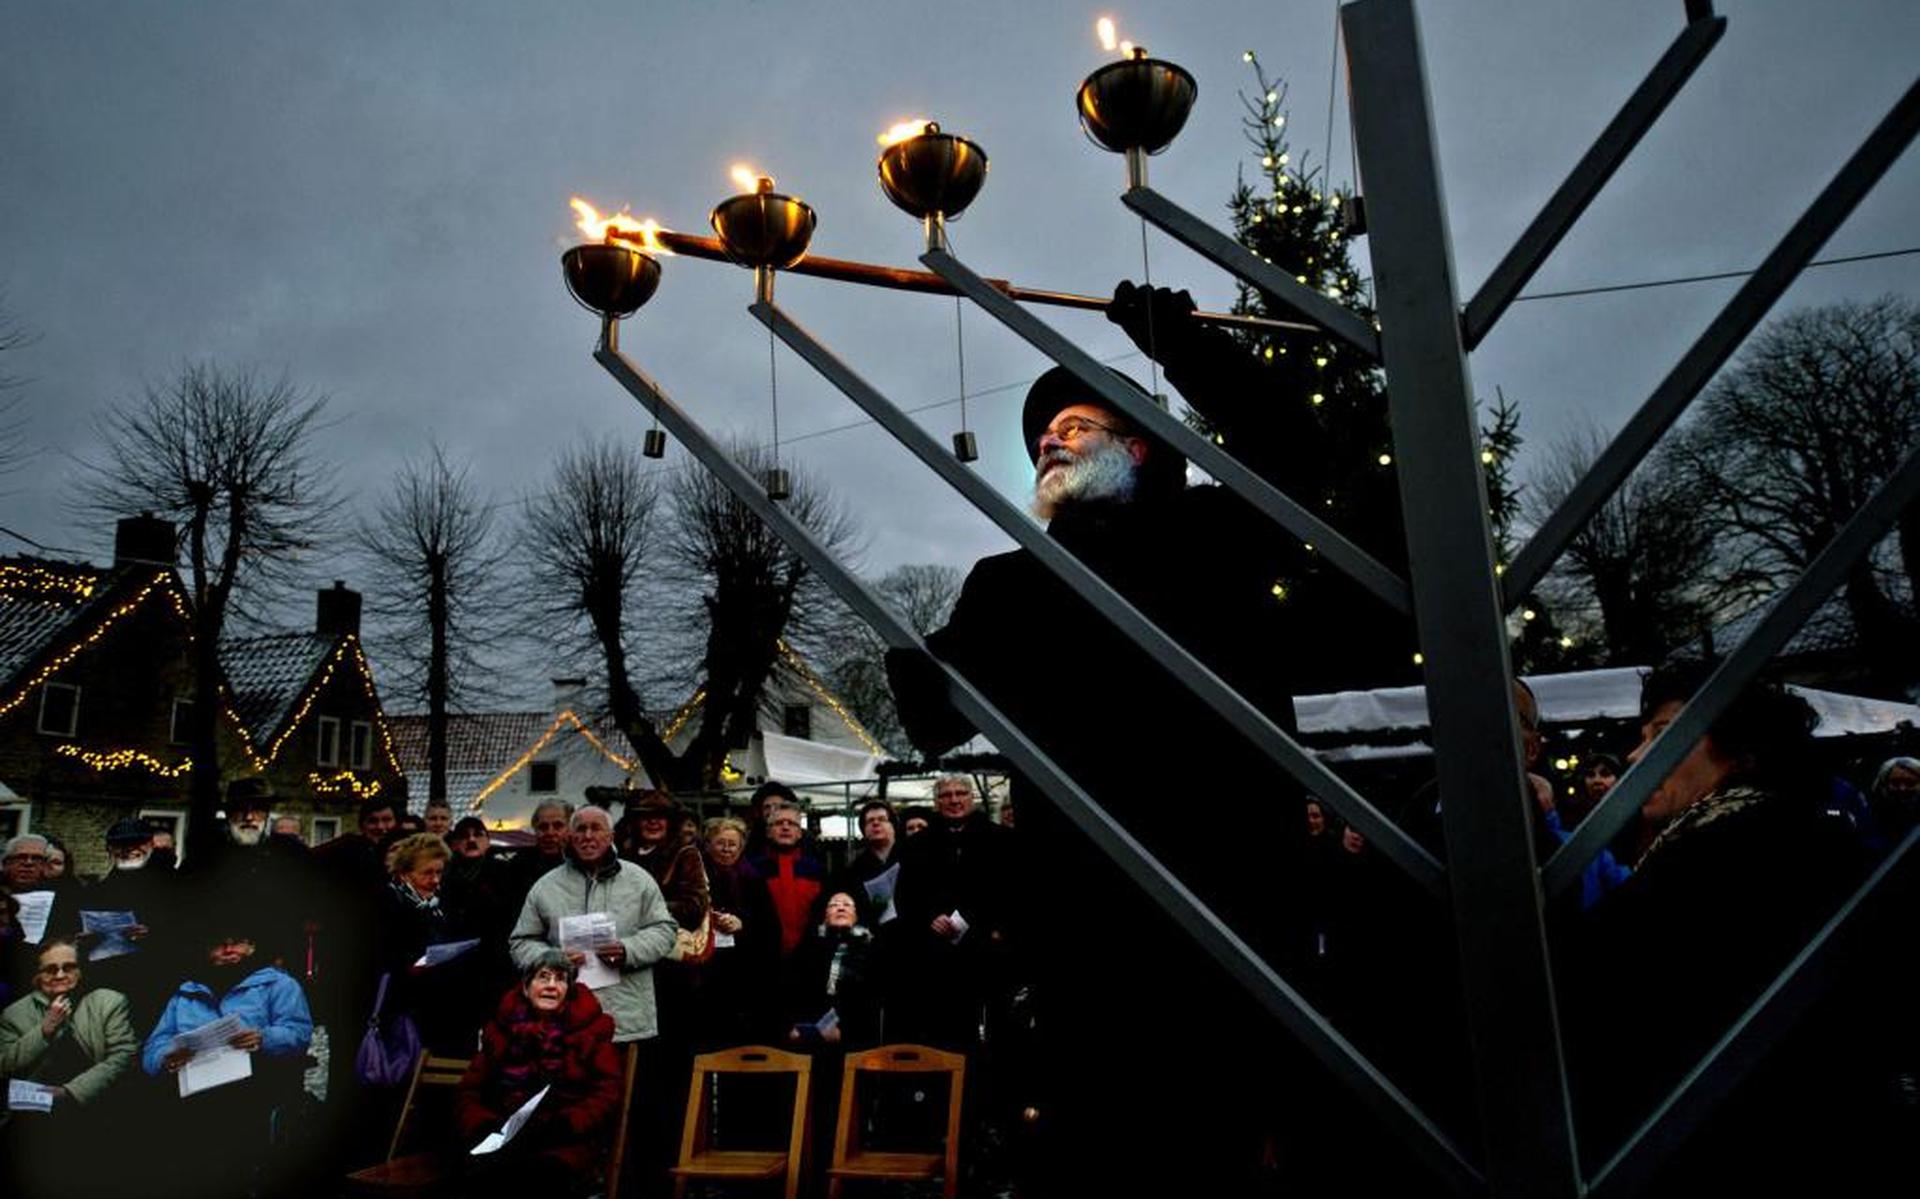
1715, 805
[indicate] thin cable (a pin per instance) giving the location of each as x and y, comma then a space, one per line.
1717, 275
960, 355
1146, 273
773, 393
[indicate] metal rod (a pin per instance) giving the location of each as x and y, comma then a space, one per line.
847, 270
1485, 802
1743, 1046
1590, 174
1234, 258
1881, 149
1319, 1037
1249, 721
1329, 542
1859, 535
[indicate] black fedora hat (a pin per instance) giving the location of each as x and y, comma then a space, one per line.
1059, 388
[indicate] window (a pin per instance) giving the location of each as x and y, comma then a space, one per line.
59, 709
362, 745
325, 829
796, 720
15, 818
329, 751
182, 733
543, 778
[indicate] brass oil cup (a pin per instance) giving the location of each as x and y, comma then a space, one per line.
1136, 104
933, 173
764, 229
612, 280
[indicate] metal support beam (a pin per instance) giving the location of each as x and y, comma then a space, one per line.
1249, 721
1823, 577
1590, 174
1234, 258
1485, 800
1327, 541
1743, 1046
1882, 148
1320, 1038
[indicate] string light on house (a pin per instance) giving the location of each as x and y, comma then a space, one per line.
59, 662
561, 721
40, 583
827, 697
107, 760
346, 782
684, 714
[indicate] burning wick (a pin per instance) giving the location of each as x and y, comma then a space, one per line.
1110, 37
902, 130
621, 226
750, 179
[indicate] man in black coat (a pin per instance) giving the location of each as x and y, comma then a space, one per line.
1114, 973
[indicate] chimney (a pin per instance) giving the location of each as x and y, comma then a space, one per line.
145, 540
569, 693
336, 611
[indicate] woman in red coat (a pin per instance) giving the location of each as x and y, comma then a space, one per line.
548, 1034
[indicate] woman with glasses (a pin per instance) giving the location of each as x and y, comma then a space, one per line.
76, 1042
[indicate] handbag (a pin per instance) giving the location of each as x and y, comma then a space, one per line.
692, 946
387, 1050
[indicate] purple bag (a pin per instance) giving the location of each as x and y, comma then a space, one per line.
387, 1051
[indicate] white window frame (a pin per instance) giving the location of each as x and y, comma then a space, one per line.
330, 823
25, 808
179, 816
325, 752
360, 744
73, 725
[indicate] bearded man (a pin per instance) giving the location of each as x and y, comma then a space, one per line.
1206, 568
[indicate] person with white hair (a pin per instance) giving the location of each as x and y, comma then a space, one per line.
594, 879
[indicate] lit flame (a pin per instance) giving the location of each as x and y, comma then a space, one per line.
1109, 36
903, 130
748, 178
621, 224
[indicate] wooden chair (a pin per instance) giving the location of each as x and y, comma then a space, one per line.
618, 1155
417, 1173
698, 1157
850, 1160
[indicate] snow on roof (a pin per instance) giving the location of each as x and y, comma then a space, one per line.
267, 676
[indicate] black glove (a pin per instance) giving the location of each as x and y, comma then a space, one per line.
1160, 322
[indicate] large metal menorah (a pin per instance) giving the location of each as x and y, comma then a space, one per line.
1455, 594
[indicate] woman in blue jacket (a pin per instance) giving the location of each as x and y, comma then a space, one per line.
228, 1131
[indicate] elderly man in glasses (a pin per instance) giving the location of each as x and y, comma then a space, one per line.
1212, 574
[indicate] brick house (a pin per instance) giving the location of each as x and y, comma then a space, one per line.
96, 695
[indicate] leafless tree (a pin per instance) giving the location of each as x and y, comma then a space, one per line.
712, 578
12, 426
438, 578
228, 456
922, 593
742, 593
1788, 444
589, 538
1642, 568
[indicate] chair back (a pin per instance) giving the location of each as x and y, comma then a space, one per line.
850, 1158
429, 1072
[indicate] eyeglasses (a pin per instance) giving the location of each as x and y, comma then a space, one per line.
1075, 427
55, 968
25, 857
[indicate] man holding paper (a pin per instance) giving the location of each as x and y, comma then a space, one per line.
610, 919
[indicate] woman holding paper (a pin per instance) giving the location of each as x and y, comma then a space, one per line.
549, 1045
447, 992
60, 1047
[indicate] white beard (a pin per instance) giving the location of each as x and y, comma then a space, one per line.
1104, 474
246, 836
130, 863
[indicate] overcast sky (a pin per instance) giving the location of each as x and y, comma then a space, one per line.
372, 198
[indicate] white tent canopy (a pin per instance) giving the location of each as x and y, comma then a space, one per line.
1571, 698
